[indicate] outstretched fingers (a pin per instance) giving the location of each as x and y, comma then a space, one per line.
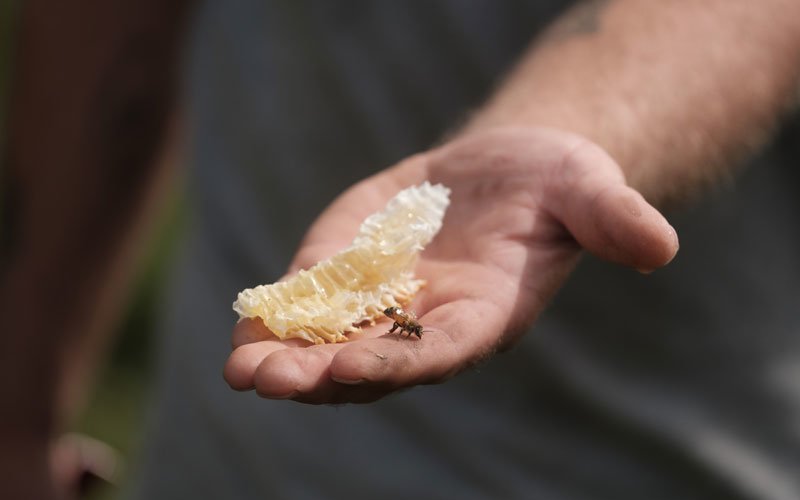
456, 335
304, 375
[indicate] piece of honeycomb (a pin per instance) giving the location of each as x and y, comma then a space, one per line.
356, 285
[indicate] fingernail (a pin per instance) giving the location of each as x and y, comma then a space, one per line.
358, 381
284, 396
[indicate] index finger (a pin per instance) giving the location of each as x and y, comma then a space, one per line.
456, 335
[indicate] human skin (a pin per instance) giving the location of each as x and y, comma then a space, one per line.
90, 106
621, 105
524, 202
726, 70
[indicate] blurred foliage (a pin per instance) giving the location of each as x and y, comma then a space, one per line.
116, 410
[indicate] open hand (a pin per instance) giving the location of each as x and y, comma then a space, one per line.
524, 202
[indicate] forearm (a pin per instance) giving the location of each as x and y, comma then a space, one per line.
91, 99
674, 91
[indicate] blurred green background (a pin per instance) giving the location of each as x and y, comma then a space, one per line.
116, 408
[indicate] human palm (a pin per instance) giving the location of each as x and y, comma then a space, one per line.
524, 202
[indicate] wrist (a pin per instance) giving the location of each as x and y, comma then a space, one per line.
613, 126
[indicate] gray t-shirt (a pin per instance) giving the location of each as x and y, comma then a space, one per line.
683, 384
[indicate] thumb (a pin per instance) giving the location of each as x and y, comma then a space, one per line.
605, 216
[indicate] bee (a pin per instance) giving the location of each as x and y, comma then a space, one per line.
405, 321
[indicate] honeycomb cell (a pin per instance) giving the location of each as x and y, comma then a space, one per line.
354, 287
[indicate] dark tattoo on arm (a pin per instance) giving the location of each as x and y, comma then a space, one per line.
583, 19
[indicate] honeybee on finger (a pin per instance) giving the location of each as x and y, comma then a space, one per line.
405, 321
